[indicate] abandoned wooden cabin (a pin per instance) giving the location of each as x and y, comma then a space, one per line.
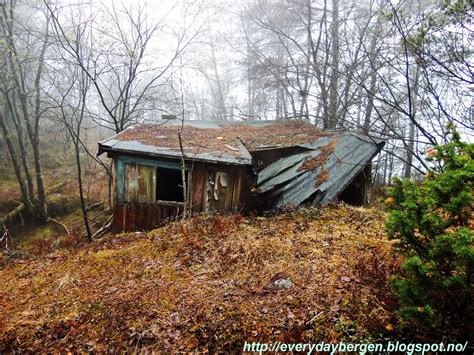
233, 166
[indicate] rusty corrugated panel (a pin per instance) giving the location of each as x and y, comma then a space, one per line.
278, 167
318, 175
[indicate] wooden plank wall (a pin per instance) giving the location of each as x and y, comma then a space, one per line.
133, 216
224, 181
139, 210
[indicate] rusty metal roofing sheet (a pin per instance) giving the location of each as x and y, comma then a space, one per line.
319, 174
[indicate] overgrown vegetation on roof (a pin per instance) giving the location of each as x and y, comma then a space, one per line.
223, 138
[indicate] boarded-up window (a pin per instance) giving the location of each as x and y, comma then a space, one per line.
139, 183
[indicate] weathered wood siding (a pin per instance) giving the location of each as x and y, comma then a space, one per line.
211, 187
143, 216
216, 188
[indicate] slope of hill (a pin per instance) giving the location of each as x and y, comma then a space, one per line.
208, 283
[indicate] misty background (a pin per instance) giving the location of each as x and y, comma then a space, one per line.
84, 70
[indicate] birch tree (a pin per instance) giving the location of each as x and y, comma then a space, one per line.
25, 41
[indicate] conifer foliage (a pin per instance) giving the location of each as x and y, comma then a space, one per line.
433, 221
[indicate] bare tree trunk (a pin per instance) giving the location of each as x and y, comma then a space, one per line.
219, 89
81, 190
34, 135
333, 85
250, 88
21, 144
385, 168
373, 75
17, 71
411, 125
16, 166
278, 104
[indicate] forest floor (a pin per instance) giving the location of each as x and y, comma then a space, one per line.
63, 202
208, 283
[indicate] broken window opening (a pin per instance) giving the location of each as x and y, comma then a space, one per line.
169, 185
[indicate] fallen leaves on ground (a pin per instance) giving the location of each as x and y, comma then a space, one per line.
208, 283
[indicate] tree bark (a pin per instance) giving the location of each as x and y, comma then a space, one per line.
373, 75
411, 125
16, 165
334, 80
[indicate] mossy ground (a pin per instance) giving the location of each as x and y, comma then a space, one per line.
60, 180
208, 284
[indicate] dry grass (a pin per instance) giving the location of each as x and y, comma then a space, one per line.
207, 284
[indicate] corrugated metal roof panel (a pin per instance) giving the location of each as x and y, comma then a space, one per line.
320, 174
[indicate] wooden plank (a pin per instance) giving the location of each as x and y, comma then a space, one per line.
114, 183
124, 220
131, 218
158, 216
125, 217
208, 193
237, 188
177, 213
169, 203
149, 216
189, 190
218, 198
142, 183
120, 182
117, 225
198, 188
140, 216
164, 213
230, 189
152, 185
160, 163
131, 182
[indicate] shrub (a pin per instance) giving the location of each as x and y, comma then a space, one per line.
432, 221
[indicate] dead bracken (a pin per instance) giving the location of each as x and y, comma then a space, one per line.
205, 284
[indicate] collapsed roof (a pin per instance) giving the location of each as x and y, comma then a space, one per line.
324, 164
321, 173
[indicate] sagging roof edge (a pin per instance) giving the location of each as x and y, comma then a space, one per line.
379, 142
177, 156
338, 184
380, 145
